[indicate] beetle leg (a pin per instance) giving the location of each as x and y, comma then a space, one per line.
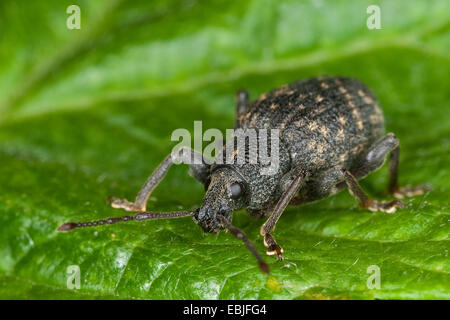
242, 98
241, 101
393, 186
269, 226
376, 157
364, 201
199, 169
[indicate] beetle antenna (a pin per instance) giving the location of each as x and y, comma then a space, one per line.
241, 235
137, 217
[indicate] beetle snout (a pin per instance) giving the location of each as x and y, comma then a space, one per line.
204, 213
208, 218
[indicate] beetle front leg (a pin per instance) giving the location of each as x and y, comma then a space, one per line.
269, 226
367, 203
199, 169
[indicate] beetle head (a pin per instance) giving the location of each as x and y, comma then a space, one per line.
226, 192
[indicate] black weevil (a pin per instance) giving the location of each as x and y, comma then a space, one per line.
331, 132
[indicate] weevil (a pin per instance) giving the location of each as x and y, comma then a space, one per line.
332, 134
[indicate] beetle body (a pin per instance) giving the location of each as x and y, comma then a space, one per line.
330, 134
324, 123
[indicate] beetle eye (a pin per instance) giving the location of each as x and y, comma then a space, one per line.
236, 190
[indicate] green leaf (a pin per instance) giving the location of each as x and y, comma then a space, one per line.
88, 113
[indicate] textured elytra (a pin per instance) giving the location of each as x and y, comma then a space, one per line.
321, 119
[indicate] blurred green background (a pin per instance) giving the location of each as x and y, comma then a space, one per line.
88, 113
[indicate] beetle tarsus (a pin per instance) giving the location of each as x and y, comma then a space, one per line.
275, 250
367, 203
410, 191
117, 203
384, 206
272, 247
